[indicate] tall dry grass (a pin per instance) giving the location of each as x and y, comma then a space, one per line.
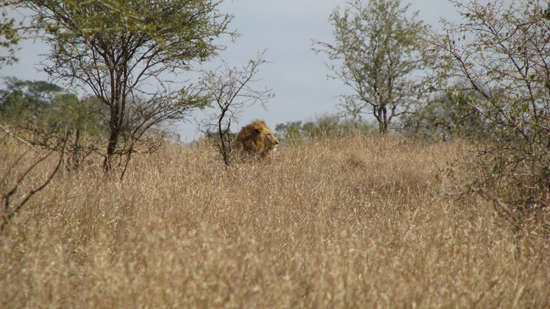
356, 222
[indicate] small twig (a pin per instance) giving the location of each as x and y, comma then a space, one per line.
207, 206
504, 212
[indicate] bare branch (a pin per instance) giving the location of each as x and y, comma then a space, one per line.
9, 210
10, 133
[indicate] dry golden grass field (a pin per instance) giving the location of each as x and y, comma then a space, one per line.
351, 222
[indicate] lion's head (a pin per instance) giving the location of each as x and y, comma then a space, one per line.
256, 140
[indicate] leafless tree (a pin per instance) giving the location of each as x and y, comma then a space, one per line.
229, 88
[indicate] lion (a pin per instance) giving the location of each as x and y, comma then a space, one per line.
256, 140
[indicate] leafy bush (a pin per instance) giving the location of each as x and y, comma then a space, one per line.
501, 51
447, 116
323, 126
46, 115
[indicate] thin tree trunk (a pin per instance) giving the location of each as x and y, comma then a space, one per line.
115, 126
111, 147
76, 150
110, 151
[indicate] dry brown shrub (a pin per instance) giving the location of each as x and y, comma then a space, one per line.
331, 223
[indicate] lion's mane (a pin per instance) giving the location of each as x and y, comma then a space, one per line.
256, 140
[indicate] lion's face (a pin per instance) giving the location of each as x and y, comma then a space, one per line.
271, 142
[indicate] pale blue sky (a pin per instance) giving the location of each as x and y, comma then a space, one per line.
285, 28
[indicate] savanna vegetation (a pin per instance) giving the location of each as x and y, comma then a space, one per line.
441, 201
353, 221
